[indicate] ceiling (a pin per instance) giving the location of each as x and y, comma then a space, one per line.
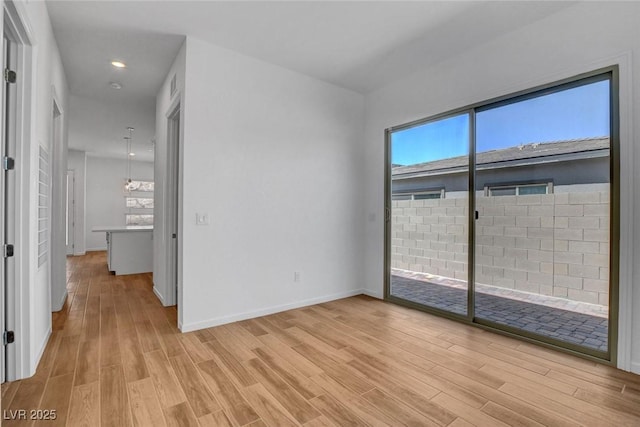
357, 45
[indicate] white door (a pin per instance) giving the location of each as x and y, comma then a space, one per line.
7, 191
5, 61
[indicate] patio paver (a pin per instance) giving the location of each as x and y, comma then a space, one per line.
573, 327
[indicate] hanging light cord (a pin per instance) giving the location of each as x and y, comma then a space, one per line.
129, 143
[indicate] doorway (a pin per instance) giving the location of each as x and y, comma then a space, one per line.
173, 197
70, 213
504, 214
57, 248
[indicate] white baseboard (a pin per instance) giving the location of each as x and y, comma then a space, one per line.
79, 253
96, 249
635, 367
374, 294
60, 304
33, 364
217, 321
158, 295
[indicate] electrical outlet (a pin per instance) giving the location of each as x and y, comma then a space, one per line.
296, 276
202, 219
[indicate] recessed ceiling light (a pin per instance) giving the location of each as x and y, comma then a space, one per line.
118, 64
115, 85
132, 154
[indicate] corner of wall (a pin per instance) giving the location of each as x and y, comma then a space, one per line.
31, 369
159, 295
57, 305
373, 293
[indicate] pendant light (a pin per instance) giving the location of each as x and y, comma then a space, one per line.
129, 141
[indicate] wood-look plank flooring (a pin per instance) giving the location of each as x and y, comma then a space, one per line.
116, 358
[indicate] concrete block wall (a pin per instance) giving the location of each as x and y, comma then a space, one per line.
553, 244
431, 236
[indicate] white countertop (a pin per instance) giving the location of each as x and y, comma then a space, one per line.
121, 228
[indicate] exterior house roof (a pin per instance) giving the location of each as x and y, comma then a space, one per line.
526, 154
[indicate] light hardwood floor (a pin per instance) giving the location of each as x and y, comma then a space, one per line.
116, 358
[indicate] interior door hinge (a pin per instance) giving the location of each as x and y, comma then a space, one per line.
9, 76
8, 337
7, 251
8, 163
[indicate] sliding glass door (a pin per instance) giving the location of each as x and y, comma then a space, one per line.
430, 214
536, 257
543, 195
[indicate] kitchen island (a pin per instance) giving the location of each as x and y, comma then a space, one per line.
129, 248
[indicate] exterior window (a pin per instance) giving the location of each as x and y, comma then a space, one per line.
139, 219
518, 190
425, 196
422, 195
136, 185
139, 202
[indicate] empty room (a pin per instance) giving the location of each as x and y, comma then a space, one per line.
311, 213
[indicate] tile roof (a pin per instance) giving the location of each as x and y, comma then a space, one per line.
541, 152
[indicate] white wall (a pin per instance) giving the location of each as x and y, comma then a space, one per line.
77, 162
161, 241
273, 157
105, 195
50, 83
568, 43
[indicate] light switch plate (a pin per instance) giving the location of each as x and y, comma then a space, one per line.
202, 219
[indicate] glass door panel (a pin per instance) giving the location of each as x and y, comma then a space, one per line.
430, 214
542, 237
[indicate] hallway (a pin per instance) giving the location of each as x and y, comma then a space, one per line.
116, 359
96, 347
